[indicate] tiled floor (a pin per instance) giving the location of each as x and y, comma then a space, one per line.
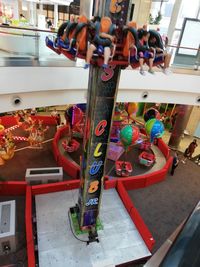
120, 241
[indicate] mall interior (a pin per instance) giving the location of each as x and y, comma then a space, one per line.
99, 152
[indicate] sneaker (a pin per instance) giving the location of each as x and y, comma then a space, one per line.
86, 66
104, 66
142, 72
151, 71
167, 71
199, 163
183, 161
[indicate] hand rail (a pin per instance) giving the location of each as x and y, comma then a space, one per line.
26, 29
48, 31
20, 34
184, 47
185, 243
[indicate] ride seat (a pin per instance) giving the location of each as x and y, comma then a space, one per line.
80, 35
129, 39
105, 26
64, 41
131, 45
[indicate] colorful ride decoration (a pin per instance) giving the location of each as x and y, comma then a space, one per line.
154, 129
35, 129
129, 135
147, 159
1, 128
151, 113
70, 146
116, 125
145, 145
7, 143
132, 108
7, 146
75, 118
23, 119
36, 134
123, 168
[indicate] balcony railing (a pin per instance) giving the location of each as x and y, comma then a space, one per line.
26, 47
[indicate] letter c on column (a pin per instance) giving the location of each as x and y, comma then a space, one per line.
100, 128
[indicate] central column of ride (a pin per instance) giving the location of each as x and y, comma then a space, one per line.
102, 92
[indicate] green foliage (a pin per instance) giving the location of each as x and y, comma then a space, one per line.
155, 20
158, 18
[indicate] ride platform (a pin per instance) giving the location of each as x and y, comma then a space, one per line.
119, 241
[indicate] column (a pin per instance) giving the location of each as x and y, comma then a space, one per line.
173, 20
33, 13
19, 8
41, 8
182, 119
55, 15
86, 8
141, 11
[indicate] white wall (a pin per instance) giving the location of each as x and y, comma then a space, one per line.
44, 86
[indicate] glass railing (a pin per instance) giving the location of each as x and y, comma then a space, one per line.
26, 47
184, 57
185, 251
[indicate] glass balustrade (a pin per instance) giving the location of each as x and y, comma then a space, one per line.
26, 47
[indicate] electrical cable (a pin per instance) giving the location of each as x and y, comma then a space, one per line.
71, 228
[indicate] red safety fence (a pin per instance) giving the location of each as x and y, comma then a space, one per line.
12, 188
9, 121
69, 166
29, 229
163, 147
108, 184
55, 187
135, 216
47, 120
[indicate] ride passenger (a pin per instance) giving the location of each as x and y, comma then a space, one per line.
106, 46
166, 56
144, 52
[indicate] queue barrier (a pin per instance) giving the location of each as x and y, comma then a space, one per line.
135, 216
13, 188
56, 187
163, 147
29, 229
9, 121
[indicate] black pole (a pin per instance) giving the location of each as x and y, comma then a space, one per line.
102, 92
